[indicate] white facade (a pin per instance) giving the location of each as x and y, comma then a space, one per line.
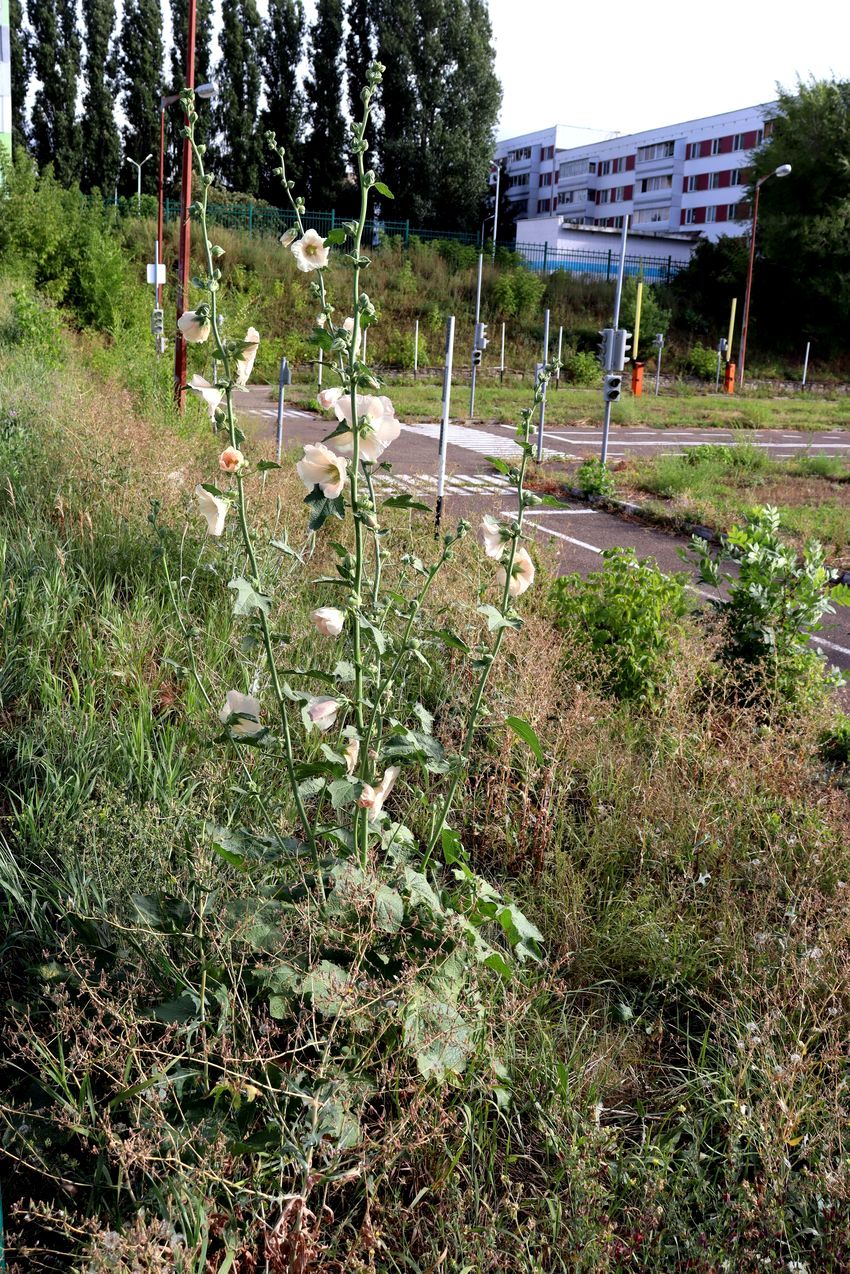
690, 176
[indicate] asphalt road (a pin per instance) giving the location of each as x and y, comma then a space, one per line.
578, 534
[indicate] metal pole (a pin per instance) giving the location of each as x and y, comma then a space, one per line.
638, 308
543, 402
806, 363
658, 369
280, 394
444, 423
745, 323
416, 349
731, 329
139, 189
560, 348
321, 363
185, 230
477, 317
717, 376
160, 186
502, 362
618, 295
496, 213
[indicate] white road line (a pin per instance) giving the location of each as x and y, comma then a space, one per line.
830, 645
547, 530
562, 513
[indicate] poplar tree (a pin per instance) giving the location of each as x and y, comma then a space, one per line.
440, 99
281, 51
101, 147
140, 70
56, 63
238, 145
328, 135
21, 60
359, 56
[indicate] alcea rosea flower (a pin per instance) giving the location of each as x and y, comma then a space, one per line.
310, 252
320, 467
213, 509
211, 396
327, 397
247, 709
322, 712
231, 460
377, 428
328, 620
194, 330
522, 573
245, 361
494, 536
372, 798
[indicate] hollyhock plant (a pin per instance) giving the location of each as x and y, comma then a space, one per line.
322, 712
211, 395
194, 326
231, 460
310, 252
329, 621
377, 425
241, 714
319, 467
213, 509
245, 361
494, 536
521, 573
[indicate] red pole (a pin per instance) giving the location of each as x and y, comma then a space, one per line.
185, 226
746, 321
159, 191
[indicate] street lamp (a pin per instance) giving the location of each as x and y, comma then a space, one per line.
138, 167
498, 168
782, 171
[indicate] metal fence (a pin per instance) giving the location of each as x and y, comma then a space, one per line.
258, 219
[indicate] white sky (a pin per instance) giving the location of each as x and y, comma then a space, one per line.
622, 67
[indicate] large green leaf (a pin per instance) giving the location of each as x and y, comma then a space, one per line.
438, 1035
327, 986
247, 598
527, 734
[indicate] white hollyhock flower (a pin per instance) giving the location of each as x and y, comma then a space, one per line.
213, 509
327, 397
245, 361
310, 252
247, 708
211, 396
351, 753
320, 467
378, 425
322, 712
522, 573
372, 798
328, 620
194, 330
494, 536
348, 328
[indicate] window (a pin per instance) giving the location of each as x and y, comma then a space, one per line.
692, 150
524, 152
603, 196
567, 197
547, 152
738, 141
518, 179
664, 182
689, 216
543, 205
661, 150
715, 145
617, 165
616, 222
645, 216
545, 179
604, 167
714, 182
769, 126
711, 212
574, 168
520, 207
690, 183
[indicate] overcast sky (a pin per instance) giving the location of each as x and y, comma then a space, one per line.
622, 67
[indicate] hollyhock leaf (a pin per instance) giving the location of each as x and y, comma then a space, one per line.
419, 891
384, 190
342, 793
495, 618
405, 501
527, 734
337, 235
450, 639
321, 338
438, 1035
377, 636
321, 508
453, 851
344, 671
424, 718
179, 1012
283, 547
263, 465
327, 986
501, 465
247, 598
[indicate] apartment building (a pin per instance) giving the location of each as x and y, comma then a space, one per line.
690, 176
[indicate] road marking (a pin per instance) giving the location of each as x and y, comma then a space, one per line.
548, 530
561, 513
830, 645
478, 440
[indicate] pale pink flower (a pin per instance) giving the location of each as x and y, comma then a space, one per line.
351, 753
327, 397
194, 330
320, 467
494, 536
348, 328
211, 396
378, 425
372, 798
213, 509
322, 712
231, 460
328, 620
310, 252
245, 361
522, 573
246, 708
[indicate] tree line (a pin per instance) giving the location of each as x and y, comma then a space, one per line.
98, 83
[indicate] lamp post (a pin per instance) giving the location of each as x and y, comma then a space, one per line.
137, 164
498, 168
782, 171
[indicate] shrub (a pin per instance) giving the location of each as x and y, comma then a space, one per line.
34, 323
580, 367
593, 477
629, 615
773, 607
701, 362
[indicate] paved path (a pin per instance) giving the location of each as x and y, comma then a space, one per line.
577, 534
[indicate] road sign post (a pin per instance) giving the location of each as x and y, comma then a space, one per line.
444, 421
284, 379
806, 363
542, 421
415, 349
476, 362
659, 346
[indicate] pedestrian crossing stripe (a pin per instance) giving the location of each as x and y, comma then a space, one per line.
426, 483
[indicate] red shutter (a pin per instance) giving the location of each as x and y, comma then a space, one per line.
682, 217
750, 139
704, 149
726, 144
726, 178
700, 215
702, 181
722, 212
630, 163
628, 192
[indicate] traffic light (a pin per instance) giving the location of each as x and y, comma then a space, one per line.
476, 358
612, 387
606, 348
621, 350
157, 322
481, 336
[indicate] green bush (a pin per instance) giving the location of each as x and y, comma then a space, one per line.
653, 318
628, 617
580, 367
516, 293
701, 362
34, 323
593, 477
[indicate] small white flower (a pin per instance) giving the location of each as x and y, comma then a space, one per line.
245, 361
321, 467
378, 426
494, 536
327, 397
372, 798
351, 753
522, 573
211, 396
244, 707
310, 252
213, 509
322, 712
328, 620
194, 330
